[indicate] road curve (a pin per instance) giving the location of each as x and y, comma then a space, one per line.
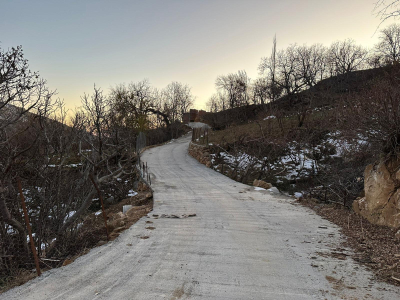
242, 244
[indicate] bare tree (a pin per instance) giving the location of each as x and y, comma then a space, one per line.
226, 84
235, 86
212, 104
217, 102
107, 160
375, 60
260, 90
19, 86
387, 9
294, 69
311, 63
388, 49
21, 91
95, 107
177, 98
345, 56
135, 105
131, 103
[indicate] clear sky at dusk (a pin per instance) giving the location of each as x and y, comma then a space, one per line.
74, 44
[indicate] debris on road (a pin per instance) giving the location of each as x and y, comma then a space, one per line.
173, 216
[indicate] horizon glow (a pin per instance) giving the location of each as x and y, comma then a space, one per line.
77, 44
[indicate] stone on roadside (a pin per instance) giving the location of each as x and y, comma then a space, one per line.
142, 187
262, 184
101, 243
381, 204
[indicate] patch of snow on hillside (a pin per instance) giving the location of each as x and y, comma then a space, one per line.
132, 193
241, 161
69, 215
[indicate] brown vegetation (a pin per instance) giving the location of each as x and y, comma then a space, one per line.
375, 246
90, 234
319, 143
67, 165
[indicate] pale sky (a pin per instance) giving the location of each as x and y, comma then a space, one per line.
74, 44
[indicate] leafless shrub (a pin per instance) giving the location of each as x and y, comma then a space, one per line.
375, 113
235, 87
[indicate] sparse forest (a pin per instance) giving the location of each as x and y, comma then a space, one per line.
320, 124
61, 158
313, 119
297, 68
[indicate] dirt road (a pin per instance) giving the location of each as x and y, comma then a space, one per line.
242, 244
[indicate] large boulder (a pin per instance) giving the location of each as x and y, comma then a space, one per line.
262, 184
381, 204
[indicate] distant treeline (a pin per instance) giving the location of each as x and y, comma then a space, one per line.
298, 68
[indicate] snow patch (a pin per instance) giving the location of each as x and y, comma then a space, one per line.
132, 193
273, 190
259, 189
298, 195
69, 215
269, 117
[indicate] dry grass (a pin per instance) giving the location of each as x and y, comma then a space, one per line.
273, 128
92, 234
374, 246
20, 277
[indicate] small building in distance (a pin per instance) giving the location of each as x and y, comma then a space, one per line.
193, 115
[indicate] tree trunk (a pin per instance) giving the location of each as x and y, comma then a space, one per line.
6, 216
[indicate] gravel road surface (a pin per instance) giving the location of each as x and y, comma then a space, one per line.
242, 244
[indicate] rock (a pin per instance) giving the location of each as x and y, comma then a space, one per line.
113, 235
101, 243
356, 205
119, 229
116, 220
142, 187
262, 184
381, 204
67, 262
397, 235
149, 195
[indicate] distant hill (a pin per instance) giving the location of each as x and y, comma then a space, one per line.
325, 93
328, 91
16, 115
